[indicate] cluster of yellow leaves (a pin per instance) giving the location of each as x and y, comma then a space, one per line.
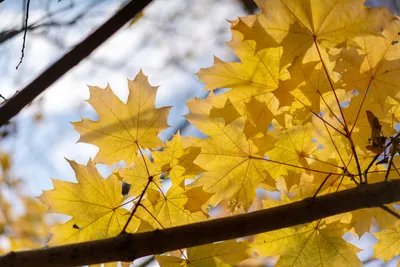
295, 118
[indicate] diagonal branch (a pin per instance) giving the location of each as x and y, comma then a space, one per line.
69, 60
127, 247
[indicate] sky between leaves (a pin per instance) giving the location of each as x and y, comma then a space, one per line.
313, 101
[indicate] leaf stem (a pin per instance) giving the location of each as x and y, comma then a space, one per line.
389, 166
321, 185
136, 206
346, 128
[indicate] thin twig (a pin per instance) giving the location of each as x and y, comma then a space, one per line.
344, 123
25, 31
389, 166
322, 184
136, 207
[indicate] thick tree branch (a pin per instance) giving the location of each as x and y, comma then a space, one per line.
69, 60
128, 247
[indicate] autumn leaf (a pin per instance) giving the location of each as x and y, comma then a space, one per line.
307, 28
177, 161
295, 146
298, 247
138, 175
197, 197
362, 219
373, 66
234, 170
228, 112
257, 75
123, 129
227, 253
94, 203
388, 245
167, 210
258, 72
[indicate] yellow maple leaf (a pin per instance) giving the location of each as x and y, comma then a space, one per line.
258, 113
259, 117
164, 210
234, 169
197, 197
139, 174
258, 72
307, 28
228, 112
123, 129
310, 88
362, 219
388, 245
177, 160
314, 244
224, 254
293, 149
94, 203
257, 75
372, 69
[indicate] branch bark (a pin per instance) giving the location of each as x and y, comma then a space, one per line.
13, 106
128, 247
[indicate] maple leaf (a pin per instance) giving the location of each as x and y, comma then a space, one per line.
123, 129
310, 88
294, 145
197, 197
228, 112
94, 203
234, 168
227, 253
362, 219
298, 246
388, 245
307, 28
258, 114
177, 160
257, 75
138, 176
372, 69
166, 210
259, 117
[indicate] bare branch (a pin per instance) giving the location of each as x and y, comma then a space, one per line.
128, 247
25, 32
